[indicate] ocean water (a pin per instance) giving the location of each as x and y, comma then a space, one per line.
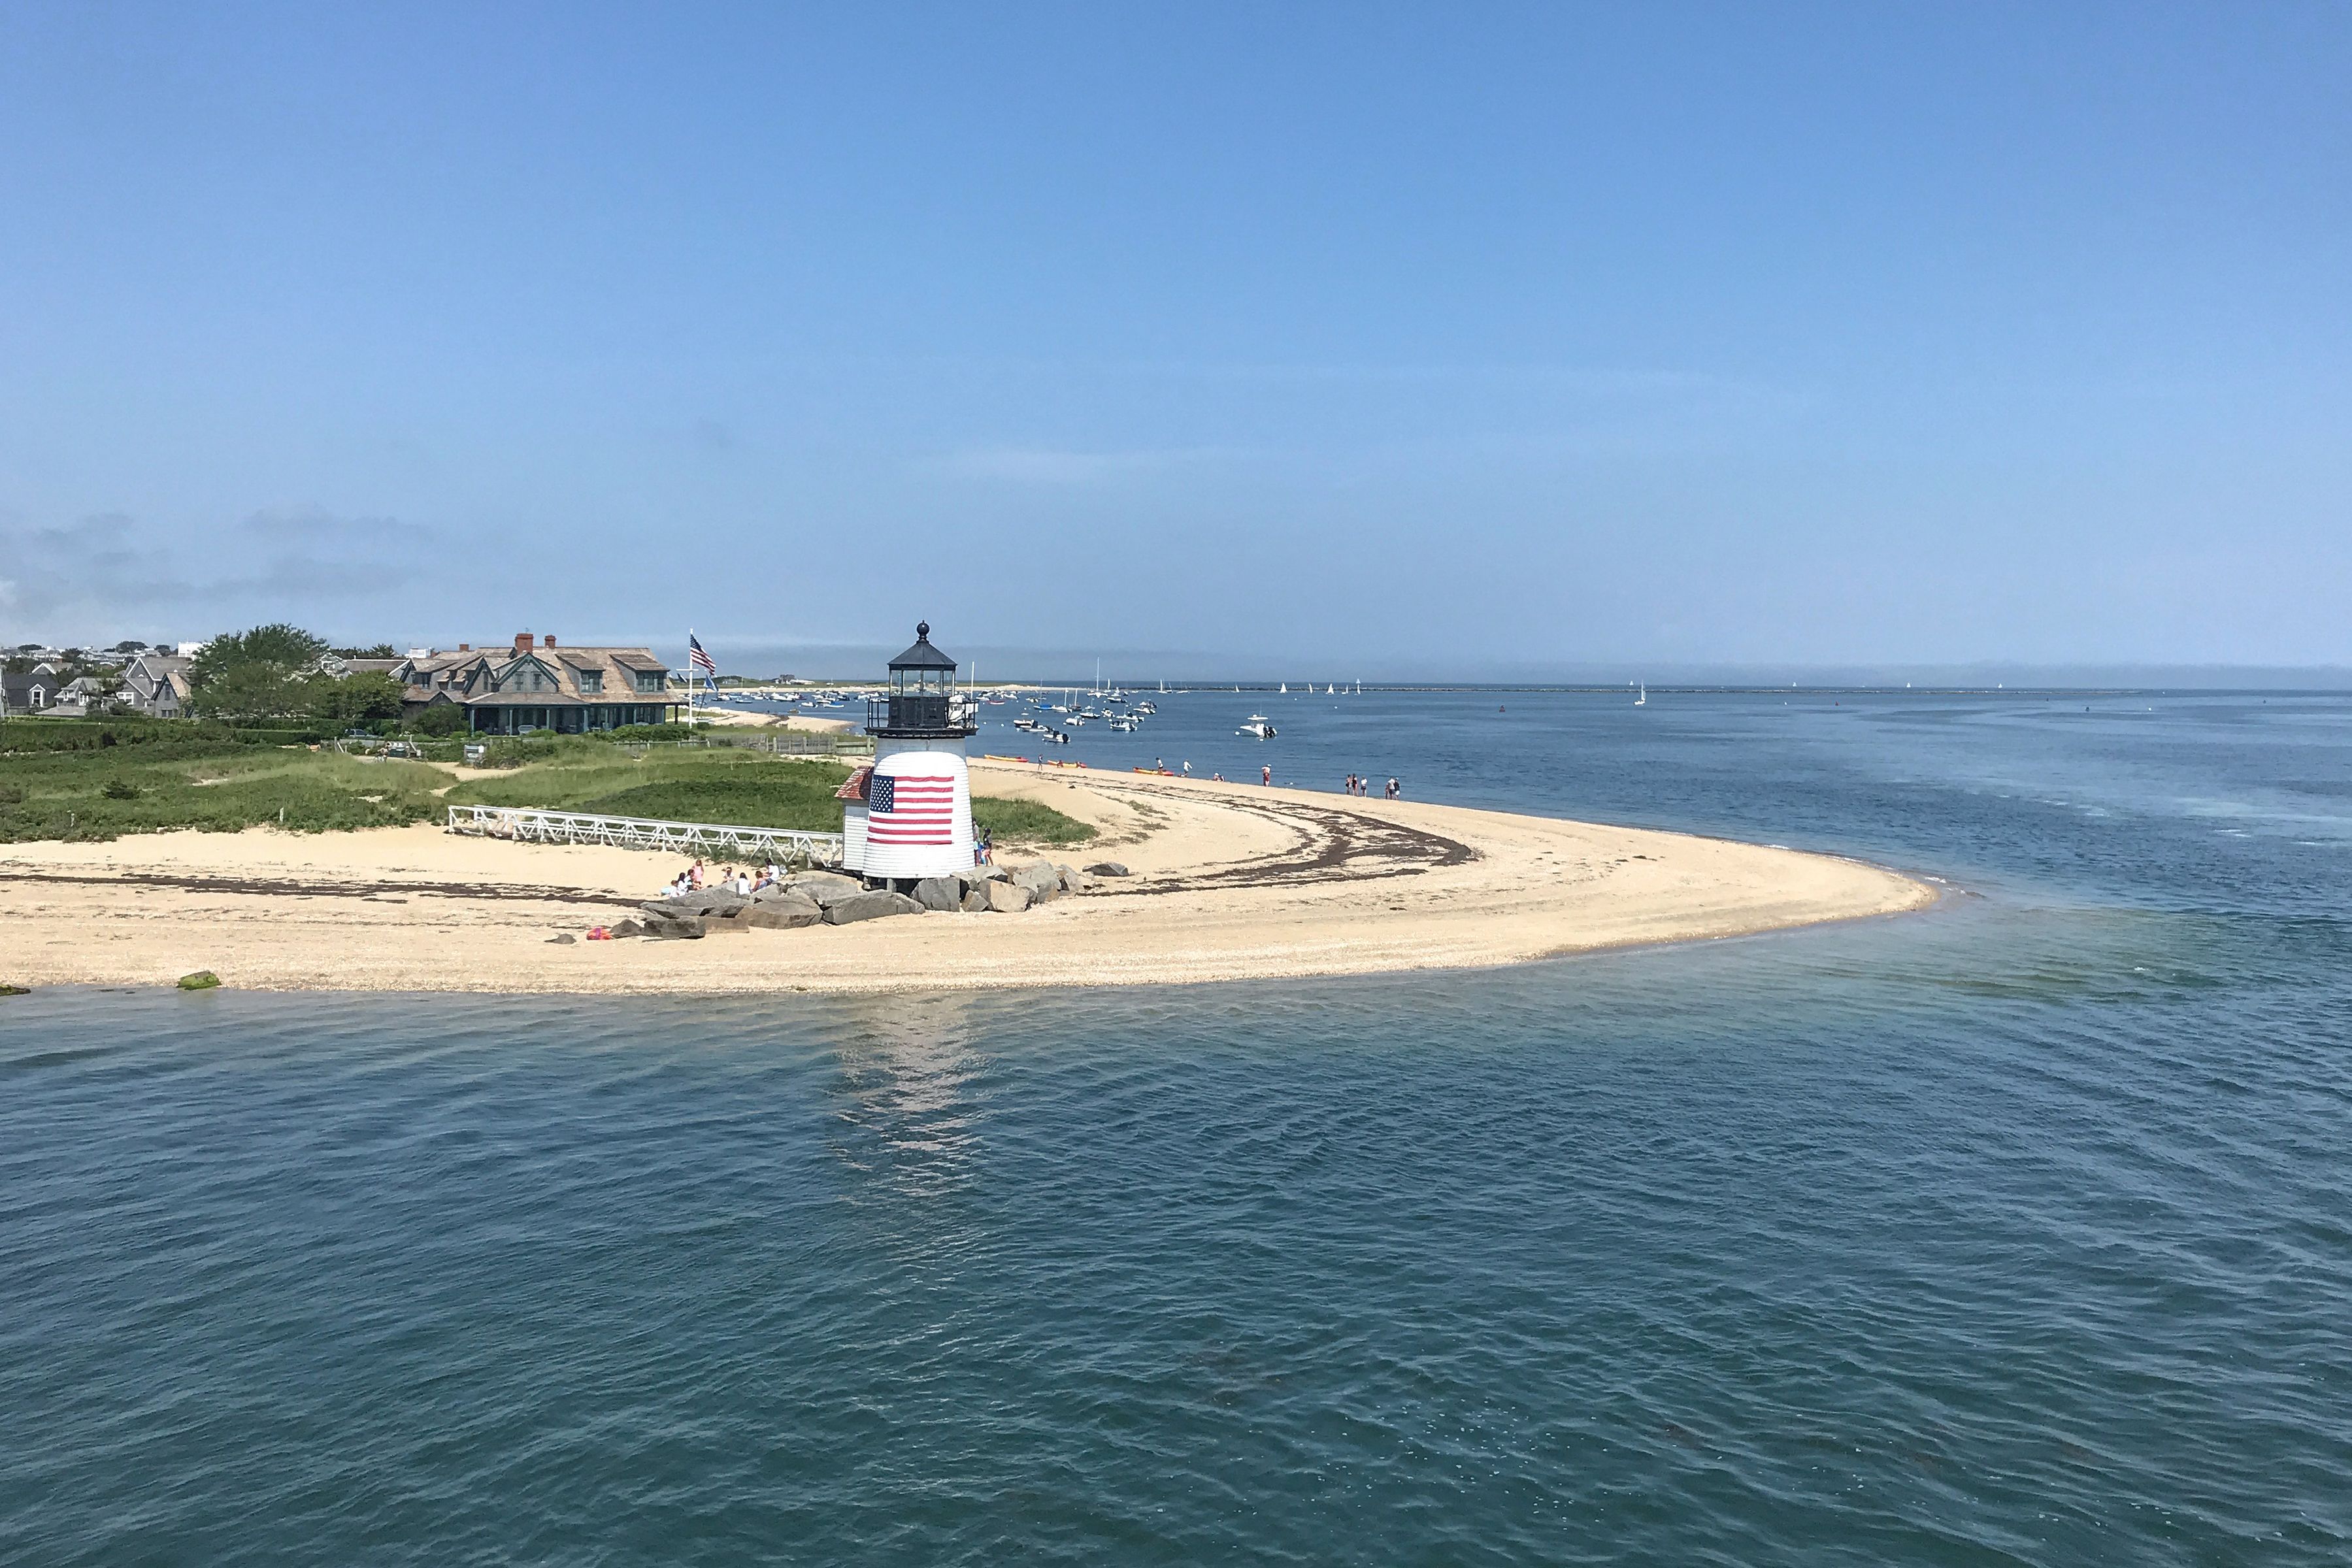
2015, 1232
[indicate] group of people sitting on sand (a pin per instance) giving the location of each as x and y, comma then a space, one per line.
743, 882
1358, 785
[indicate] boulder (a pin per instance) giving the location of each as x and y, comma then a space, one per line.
562, 940
780, 914
1072, 879
202, 980
1040, 879
975, 902
724, 925
711, 902
1006, 897
675, 925
1108, 868
941, 893
825, 889
626, 928
870, 906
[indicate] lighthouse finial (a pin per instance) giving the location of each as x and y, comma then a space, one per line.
922, 630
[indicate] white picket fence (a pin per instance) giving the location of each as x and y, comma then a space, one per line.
530, 825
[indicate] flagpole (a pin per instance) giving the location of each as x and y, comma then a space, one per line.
689, 682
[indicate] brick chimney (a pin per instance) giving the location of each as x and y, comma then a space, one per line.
522, 641
547, 640
465, 647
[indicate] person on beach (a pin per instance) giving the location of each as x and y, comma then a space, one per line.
1265, 774
694, 876
1188, 767
1396, 791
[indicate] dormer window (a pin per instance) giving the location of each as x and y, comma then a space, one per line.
649, 680
592, 682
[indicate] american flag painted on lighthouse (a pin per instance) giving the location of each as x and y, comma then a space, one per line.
911, 809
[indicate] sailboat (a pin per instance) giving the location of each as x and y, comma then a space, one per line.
1643, 700
1286, 687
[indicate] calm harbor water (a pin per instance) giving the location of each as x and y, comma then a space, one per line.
2019, 1231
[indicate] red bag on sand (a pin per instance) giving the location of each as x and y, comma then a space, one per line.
598, 933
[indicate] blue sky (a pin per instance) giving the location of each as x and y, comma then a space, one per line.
1439, 339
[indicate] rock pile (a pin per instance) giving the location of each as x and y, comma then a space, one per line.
813, 897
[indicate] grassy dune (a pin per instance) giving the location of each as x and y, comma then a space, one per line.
105, 794
748, 789
224, 786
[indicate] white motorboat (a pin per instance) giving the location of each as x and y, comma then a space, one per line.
1259, 726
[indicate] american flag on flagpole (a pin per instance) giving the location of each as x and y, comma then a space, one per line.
699, 662
911, 809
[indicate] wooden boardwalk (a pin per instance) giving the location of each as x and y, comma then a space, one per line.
527, 824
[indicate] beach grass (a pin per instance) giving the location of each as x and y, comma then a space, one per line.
223, 787
1028, 823
738, 788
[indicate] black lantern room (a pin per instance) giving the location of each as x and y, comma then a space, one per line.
923, 702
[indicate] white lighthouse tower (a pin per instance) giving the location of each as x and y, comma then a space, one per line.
909, 815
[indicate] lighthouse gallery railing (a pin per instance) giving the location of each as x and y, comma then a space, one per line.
527, 824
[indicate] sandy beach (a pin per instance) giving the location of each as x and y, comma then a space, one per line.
1229, 881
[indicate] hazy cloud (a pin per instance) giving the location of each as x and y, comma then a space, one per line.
109, 570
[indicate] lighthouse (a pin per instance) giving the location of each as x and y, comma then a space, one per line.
909, 815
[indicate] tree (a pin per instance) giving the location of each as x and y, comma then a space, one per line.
442, 720
254, 677
354, 702
381, 651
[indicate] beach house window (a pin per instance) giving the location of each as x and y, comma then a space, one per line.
591, 680
649, 680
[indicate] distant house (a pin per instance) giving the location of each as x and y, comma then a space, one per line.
157, 685
337, 666
85, 695
538, 686
35, 691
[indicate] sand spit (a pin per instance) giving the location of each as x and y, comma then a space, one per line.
1230, 882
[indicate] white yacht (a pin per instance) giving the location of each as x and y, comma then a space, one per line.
1259, 726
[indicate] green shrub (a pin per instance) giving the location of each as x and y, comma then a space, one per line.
118, 789
278, 737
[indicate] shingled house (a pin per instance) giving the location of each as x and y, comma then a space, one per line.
32, 690
538, 686
156, 685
